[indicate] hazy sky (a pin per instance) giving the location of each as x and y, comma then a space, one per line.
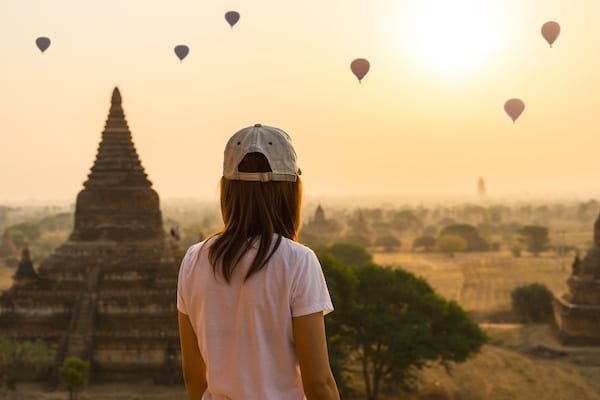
428, 117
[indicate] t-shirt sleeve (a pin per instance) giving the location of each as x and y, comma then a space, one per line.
309, 292
184, 269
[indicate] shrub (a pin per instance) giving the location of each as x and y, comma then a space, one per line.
535, 238
23, 360
533, 302
469, 234
450, 244
427, 242
389, 243
74, 374
348, 254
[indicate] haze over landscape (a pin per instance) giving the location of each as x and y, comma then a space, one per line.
427, 119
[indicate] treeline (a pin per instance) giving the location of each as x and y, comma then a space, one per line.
444, 228
42, 236
451, 229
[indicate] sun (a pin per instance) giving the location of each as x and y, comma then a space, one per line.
453, 37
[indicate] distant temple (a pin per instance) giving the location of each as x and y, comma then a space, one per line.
577, 313
25, 274
481, 186
319, 218
319, 223
108, 294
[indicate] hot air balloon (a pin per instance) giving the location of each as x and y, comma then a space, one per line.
42, 43
550, 31
514, 108
232, 17
360, 67
181, 51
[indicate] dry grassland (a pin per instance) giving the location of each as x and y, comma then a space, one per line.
506, 369
482, 282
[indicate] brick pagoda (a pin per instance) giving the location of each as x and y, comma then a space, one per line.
577, 313
108, 294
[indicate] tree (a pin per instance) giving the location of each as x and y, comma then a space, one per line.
587, 210
4, 211
341, 283
430, 230
74, 374
450, 244
469, 233
535, 238
23, 360
404, 220
533, 302
358, 239
359, 223
425, 241
21, 233
391, 324
389, 243
348, 254
57, 222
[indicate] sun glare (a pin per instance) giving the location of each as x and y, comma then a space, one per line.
453, 37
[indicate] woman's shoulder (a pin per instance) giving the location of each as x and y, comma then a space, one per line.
295, 248
195, 248
193, 252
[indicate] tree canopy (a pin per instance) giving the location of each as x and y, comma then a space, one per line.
533, 302
357, 238
74, 374
388, 242
450, 244
535, 238
21, 233
23, 360
391, 323
405, 220
348, 254
427, 242
469, 233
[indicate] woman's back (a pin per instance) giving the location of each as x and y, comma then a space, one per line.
244, 327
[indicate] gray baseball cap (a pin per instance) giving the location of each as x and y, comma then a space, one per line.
271, 142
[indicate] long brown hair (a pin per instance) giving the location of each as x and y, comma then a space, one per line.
254, 211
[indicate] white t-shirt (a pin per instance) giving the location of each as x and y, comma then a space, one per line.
244, 329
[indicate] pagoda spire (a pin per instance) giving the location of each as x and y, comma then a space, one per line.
116, 116
117, 201
116, 96
319, 217
25, 271
117, 162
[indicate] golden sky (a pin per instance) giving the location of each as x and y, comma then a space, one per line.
427, 119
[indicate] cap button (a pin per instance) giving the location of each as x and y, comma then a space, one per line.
257, 125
